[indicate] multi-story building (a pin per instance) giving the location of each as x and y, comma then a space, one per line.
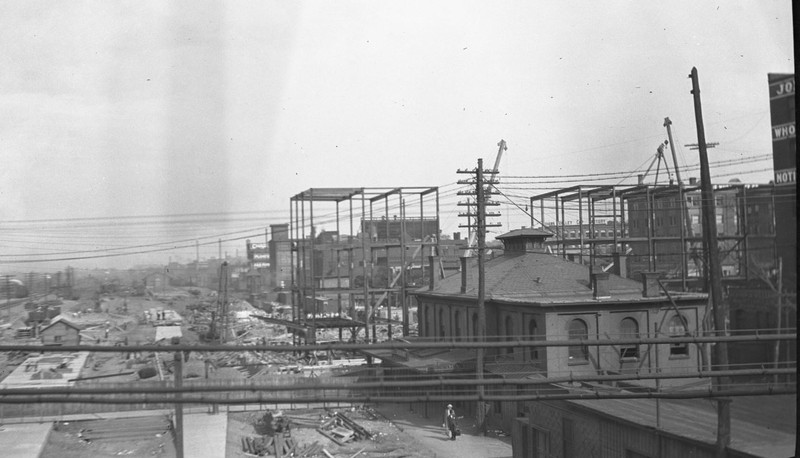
280, 256
573, 239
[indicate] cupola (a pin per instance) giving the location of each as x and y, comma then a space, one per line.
525, 240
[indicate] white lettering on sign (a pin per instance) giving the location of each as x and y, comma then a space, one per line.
258, 246
260, 265
783, 131
785, 176
782, 88
260, 256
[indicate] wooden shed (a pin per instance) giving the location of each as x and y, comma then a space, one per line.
61, 332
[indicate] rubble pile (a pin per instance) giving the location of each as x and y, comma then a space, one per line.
341, 429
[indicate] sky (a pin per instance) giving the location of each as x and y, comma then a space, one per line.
153, 124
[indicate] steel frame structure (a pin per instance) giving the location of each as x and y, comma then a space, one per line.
358, 248
585, 198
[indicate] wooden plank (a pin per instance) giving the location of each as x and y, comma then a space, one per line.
329, 436
278, 446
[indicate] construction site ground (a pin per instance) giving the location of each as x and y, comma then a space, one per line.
118, 430
396, 432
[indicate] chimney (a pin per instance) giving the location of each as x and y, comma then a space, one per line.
650, 284
463, 274
620, 265
600, 285
640, 179
692, 181
456, 235
433, 264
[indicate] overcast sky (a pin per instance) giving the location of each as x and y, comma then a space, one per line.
116, 109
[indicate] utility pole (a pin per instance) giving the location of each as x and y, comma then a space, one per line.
711, 251
482, 191
780, 315
178, 406
8, 298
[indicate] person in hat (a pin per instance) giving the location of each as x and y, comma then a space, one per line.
450, 421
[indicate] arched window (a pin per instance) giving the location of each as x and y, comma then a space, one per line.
629, 329
578, 330
509, 333
429, 321
423, 319
677, 328
533, 331
457, 324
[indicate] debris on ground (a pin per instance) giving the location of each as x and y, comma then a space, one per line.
341, 429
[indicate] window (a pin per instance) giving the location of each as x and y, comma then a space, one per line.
578, 330
441, 323
533, 330
541, 443
677, 328
457, 320
57, 338
509, 333
474, 325
629, 329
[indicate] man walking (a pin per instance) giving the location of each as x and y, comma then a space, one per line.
450, 421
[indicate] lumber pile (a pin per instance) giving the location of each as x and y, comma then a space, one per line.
279, 445
341, 429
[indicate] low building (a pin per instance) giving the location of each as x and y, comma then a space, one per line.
761, 426
532, 295
60, 331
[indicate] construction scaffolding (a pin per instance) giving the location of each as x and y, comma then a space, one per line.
352, 277
657, 228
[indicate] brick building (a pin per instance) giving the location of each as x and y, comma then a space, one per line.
532, 295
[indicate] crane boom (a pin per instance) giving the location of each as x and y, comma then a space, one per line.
667, 124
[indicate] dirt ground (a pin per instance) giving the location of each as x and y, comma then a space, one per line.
65, 441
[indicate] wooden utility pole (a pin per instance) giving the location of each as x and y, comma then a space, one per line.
178, 405
711, 251
482, 191
780, 315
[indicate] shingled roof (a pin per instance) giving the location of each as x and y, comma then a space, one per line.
537, 278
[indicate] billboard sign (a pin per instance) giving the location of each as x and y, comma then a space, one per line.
784, 128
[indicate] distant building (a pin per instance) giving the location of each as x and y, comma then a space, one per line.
60, 331
574, 236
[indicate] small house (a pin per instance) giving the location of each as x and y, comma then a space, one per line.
61, 332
